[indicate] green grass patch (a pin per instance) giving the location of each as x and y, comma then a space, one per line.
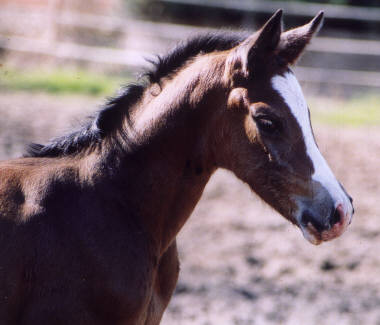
60, 81
359, 111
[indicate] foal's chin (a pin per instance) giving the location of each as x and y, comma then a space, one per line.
316, 237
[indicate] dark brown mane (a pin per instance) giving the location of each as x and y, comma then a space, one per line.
110, 117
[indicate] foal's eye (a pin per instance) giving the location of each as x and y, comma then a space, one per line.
266, 124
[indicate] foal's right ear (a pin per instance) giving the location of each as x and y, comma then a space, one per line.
294, 41
243, 58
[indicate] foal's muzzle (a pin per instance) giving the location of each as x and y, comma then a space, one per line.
322, 218
321, 224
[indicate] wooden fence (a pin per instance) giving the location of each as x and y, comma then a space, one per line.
138, 40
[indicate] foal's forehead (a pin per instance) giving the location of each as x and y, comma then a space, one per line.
288, 87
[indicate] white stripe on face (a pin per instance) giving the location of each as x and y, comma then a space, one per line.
290, 90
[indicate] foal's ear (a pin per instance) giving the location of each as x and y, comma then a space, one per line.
259, 45
294, 41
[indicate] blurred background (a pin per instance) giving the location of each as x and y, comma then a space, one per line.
241, 262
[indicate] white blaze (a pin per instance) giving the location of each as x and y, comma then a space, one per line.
290, 90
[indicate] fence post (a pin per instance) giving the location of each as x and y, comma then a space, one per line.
51, 35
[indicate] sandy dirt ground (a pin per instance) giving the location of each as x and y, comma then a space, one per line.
241, 262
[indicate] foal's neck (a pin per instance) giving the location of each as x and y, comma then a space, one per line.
166, 171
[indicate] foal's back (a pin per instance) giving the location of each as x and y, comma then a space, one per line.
26, 184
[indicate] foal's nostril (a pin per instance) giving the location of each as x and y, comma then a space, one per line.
351, 200
335, 217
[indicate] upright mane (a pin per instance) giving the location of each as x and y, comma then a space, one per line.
111, 115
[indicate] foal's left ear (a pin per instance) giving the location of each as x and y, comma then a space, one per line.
294, 41
249, 54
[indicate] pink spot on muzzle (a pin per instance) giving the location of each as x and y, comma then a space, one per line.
343, 219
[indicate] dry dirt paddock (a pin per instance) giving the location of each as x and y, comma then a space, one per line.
242, 263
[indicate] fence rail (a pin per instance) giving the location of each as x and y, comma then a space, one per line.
71, 51
291, 8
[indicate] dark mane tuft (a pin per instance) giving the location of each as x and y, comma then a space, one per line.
110, 117
105, 121
205, 43
68, 144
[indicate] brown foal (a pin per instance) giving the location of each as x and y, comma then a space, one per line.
88, 222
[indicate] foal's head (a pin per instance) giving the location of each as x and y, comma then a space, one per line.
267, 136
